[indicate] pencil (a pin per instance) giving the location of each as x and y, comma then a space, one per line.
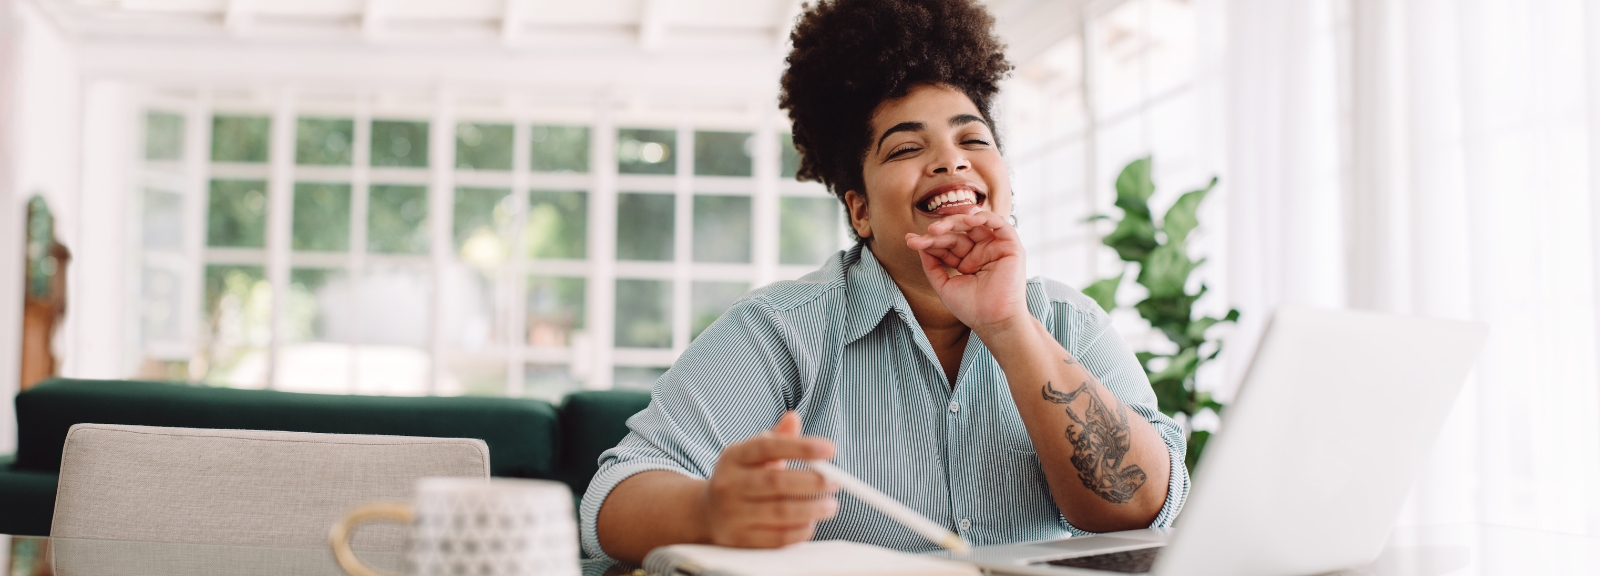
892, 508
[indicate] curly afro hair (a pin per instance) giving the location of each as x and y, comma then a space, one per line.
851, 55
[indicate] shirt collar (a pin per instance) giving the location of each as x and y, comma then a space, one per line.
871, 293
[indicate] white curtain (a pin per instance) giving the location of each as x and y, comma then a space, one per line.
1434, 157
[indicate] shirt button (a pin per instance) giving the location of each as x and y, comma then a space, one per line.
965, 524
954, 407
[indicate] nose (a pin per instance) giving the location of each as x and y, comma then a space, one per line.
950, 159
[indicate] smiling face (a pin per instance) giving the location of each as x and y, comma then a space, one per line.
931, 155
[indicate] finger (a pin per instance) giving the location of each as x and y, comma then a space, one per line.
788, 425
760, 450
934, 269
790, 511
786, 483
958, 243
774, 536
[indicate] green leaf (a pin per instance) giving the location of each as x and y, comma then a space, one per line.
1104, 291
1181, 217
1165, 271
1197, 446
1181, 368
1197, 329
1134, 188
1172, 398
1133, 239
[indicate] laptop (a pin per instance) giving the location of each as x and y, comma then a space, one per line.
1331, 427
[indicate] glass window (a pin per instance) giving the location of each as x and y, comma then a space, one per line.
790, 161
163, 220
722, 229
392, 308
237, 214
159, 319
644, 314
558, 224
483, 146
238, 319
722, 153
323, 141
163, 136
400, 143
397, 219
555, 310
239, 138
481, 222
808, 229
313, 293
321, 217
548, 382
636, 377
708, 300
474, 374
644, 226
560, 148
646, 151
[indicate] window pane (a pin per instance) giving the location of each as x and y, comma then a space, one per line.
555, 310
163, 136
558, 224
483, 146
644, 314
321, 217
310, 360
708, 300
560, 148
474, 374
481, 223
391, 306
646, 151
397, 219
644, 226
238, 311
808, 229
237, 214
722, 153
790, 159
549, 382
158, 310
397, 143
323, 141
722, 229
163, 220
239, 138
636, 377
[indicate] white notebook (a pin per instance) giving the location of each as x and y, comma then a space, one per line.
829, 557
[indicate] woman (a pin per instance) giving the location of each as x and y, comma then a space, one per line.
920, 360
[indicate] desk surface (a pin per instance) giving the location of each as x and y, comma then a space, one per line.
1472, 549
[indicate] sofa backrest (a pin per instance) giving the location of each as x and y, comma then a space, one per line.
523, 435
592, 422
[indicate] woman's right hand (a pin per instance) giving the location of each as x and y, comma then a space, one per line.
754, 501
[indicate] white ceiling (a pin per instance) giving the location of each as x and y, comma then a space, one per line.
714, 46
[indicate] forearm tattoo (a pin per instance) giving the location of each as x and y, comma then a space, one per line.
1100, 440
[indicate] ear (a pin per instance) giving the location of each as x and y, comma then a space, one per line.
856, 202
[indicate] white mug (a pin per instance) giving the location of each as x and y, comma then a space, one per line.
500, 527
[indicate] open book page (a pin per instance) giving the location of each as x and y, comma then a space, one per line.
830, 557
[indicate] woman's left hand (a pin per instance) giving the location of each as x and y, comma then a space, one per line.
988, 293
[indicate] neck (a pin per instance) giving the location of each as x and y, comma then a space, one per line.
943, 329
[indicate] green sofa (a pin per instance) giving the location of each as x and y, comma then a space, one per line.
527, 438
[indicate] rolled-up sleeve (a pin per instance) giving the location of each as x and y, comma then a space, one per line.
734, 381
1085, 330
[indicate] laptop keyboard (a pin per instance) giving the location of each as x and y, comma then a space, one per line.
1128, 561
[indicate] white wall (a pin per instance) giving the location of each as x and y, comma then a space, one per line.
42, 129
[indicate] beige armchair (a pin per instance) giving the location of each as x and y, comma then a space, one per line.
242, 487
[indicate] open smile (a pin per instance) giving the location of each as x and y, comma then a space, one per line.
955, 198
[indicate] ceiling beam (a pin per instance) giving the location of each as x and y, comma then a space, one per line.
513, 12
237, 17
653, 24
786, 17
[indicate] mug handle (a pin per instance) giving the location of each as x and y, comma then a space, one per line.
339, 536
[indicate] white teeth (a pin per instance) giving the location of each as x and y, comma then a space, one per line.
952, 197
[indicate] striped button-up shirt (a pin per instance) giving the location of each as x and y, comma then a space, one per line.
842, 348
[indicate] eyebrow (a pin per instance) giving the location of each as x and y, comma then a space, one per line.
955, 121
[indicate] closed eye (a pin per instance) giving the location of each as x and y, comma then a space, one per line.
902, 152
975, 141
